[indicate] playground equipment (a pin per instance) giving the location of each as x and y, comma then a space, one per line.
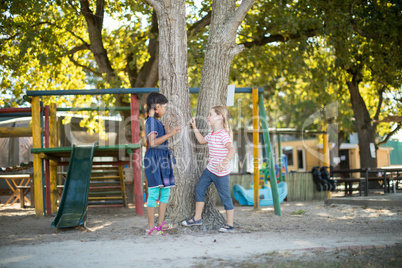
74, 201
53, 154
8, 132
246, 196
107, 187
271, 195
265, 198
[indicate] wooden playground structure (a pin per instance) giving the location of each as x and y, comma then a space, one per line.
47, 156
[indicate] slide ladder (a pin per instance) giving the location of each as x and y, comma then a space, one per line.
107, 188
74, 200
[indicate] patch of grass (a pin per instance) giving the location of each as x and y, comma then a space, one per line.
299, 212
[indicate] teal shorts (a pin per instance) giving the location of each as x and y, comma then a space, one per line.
153, 195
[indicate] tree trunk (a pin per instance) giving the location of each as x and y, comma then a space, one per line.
221, 50
94, 25
173, 83
148, 74
365, 131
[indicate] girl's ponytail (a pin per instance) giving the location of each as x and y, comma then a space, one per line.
153, 99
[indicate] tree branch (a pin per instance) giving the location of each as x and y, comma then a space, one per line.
147, 76
79, 48
390, 119
279, 38
196, 27
10, 38
76, 63
238, 16
94, 25
380, 101
76, 9
356, 27
60, 28
156, 4
100, 9
389, 135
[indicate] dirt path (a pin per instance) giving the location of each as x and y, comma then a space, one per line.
115, 237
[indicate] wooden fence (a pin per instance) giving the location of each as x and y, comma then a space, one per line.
301, 186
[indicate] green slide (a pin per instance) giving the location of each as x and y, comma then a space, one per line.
74, 201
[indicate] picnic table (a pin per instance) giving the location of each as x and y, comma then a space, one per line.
20, 186
366, 175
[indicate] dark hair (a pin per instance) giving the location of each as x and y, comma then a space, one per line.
155, 98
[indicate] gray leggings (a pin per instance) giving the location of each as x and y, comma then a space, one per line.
221, 184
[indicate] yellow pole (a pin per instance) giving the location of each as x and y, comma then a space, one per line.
255, 148
8, 132
52, 163
325, 148
37, 162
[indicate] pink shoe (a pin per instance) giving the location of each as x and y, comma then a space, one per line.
168, 226
149, 232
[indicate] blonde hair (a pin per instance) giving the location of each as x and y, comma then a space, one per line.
222, 110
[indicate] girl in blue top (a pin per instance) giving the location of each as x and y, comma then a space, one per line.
158, 162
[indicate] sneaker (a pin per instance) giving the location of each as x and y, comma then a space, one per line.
191, 223
226, 229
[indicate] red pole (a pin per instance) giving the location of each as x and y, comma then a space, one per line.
135, 138
47, 166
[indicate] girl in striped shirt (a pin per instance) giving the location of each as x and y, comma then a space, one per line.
221, 151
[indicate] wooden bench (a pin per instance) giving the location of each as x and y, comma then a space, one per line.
365, 176
346, 177
349, 184
23, 191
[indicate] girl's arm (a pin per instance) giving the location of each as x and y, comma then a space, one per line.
154, 141
228, 157
197, 133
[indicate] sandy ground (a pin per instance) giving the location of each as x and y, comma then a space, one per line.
115, 237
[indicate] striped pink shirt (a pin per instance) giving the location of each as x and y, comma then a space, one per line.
217, 151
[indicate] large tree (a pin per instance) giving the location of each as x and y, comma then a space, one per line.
173, 82
367, 40
360, 42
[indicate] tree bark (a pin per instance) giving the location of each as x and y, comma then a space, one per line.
365, 131
221, 50
148, 74
94, 25
173, 83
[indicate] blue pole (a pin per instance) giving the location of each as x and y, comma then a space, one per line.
119, 91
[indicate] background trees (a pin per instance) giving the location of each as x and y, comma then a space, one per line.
337, 50
306, 54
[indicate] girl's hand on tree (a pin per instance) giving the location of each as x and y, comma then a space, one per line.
174, 131
192, 122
